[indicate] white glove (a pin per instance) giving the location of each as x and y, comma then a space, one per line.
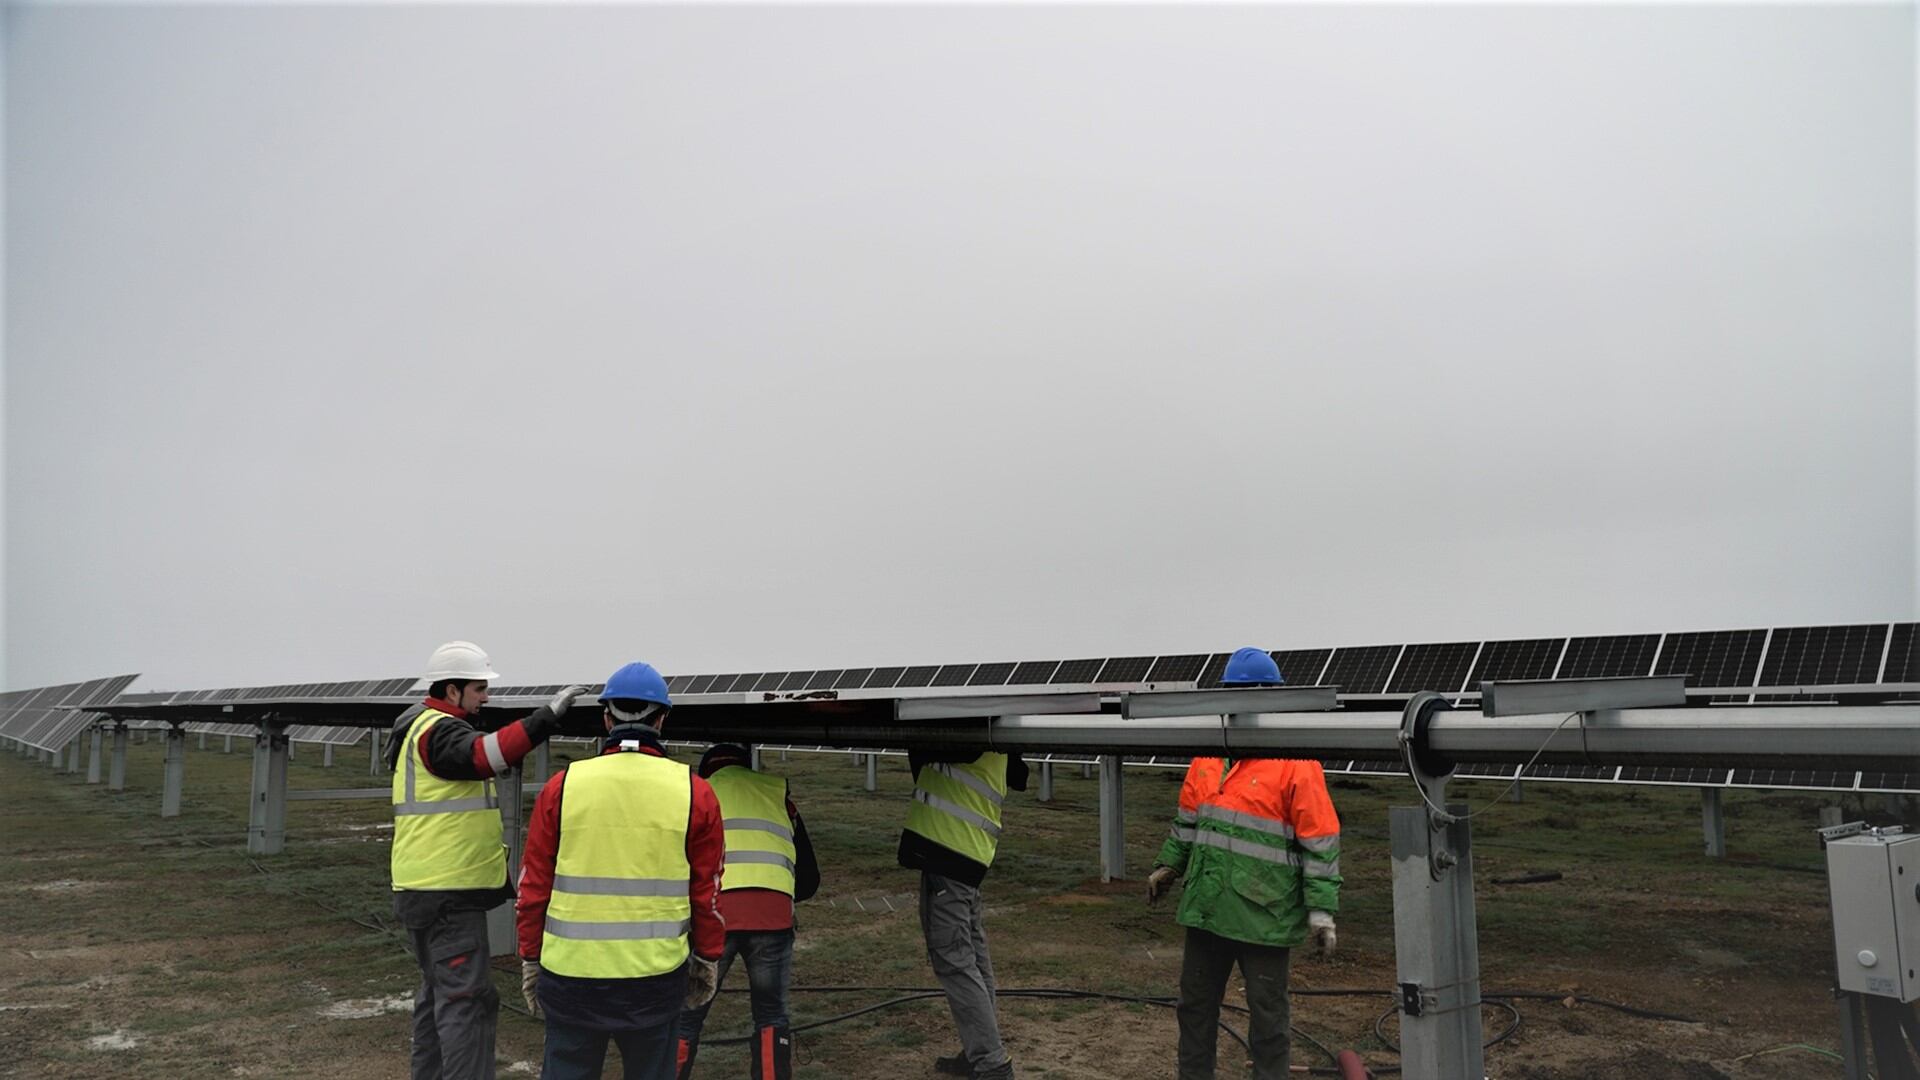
703, 981
529, 980
1159, 883
558, 706
1320, 926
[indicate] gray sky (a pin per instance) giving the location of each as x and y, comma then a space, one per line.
761, 338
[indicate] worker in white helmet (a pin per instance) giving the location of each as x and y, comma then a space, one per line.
449, 860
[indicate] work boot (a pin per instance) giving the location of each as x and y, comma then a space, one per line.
772, 1054
955, 1064
1002, 1071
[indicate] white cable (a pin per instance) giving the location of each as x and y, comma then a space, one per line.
1517, 777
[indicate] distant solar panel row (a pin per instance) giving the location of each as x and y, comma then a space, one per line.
45, 717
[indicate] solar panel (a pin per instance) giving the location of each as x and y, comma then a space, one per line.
1889, 781
1210, 673
1033, 673
885, 677
919, 676
1076, 672
991, 675
1302, 667
1713, 658
1824, 655
953, 675
796, 681
1791, 778
1664, 774
1532, 658
1903, 657
1361, 670
1434, 667
770, 681
1608, 657
1125, 669
1181, 668
824, 680
701, 684
853, 678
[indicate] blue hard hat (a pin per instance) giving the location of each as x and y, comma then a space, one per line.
637, 682
1251, 667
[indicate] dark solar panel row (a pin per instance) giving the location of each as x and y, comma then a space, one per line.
1434, 667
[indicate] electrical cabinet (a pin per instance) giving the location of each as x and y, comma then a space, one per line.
1875, 879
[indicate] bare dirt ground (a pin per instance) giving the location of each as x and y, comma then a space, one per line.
143, 947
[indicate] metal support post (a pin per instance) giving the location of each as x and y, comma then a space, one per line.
753, 761
542, 763
1086, 770
1436, 945
1113, 823
1046, 781
228, 748
1713, 822
175, 773
117, 766
267, 816
73, 756
1518, 791
501, 934
1853, 1036
873, 772
326, 756
94, 736
203, 740
373, 752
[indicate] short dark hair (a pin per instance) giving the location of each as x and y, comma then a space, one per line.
444, 686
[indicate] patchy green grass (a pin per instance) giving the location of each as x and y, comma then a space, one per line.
217, 964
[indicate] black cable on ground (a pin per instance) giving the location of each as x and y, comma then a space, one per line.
1380, 1025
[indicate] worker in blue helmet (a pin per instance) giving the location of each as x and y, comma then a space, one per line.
618, 918
1258, 844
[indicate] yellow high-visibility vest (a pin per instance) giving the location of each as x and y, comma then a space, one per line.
446, 833
760, 851
958, 805
621, 906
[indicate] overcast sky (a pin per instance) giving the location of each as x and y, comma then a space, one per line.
744, 338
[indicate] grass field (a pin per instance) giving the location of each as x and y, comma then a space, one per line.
146, 947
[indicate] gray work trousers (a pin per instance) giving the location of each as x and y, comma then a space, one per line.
456, 1008
957, 946
1205, 965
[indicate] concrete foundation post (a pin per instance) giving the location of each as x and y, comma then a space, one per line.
117, 767
267, 816
94, 737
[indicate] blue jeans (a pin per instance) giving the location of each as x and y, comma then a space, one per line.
577, 1053
769, 956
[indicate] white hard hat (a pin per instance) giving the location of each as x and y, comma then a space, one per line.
462, 660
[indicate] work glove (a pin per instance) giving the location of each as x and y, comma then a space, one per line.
703, 981
558, 706
1159, 883
1320, 926
529, 982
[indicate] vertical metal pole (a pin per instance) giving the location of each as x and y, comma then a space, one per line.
501, 934
117, 767
1086, 770
73, 756
267, 817
542, 763
783, 756
326, 755
203, 740
1046, 781
228, 747
753, 759
1436, 947
1853, 1036
1113, 823
873, 772
373, 752
94, 736
1518, 792
1713, 822
175, 773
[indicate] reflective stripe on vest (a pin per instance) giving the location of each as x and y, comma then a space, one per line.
753, 809
446, 833
958, 805
620, 907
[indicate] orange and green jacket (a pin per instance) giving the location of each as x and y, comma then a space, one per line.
1259, 844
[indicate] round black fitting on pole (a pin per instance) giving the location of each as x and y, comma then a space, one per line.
1414, 722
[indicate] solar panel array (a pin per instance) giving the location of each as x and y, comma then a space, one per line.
1857, 655
45, 717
